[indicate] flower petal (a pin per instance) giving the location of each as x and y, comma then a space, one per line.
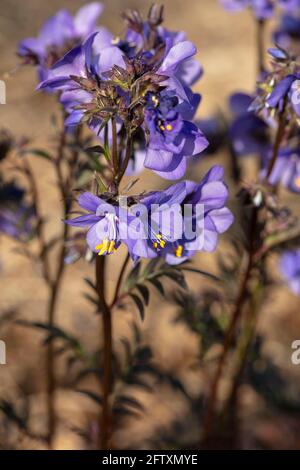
89, 201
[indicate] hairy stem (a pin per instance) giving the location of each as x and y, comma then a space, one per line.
114, 146
119, 281
277, 143
106, 330
127, 157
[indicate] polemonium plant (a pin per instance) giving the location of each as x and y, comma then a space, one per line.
127, 104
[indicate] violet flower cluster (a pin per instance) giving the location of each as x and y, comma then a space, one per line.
262, 9
58, 34
134, 93
251, 135
141, 225
144, 82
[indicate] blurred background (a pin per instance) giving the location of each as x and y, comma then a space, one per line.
170, 411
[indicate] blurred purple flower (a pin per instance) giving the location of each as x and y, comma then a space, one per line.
17, 217
59, 34
289, 5
262, 9
287, 31
286, 170
214, 129
287, 88
248, 133
289, 266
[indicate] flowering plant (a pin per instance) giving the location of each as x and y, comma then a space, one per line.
127, 104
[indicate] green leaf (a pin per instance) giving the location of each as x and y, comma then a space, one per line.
203, 273
144, 291
139, 305
94, 161
54, 332
158, 285
177, 277
49, 245
91, 299
92, 395
84, 178
90, 283
151, 266
37, 153
133, 275
96, 149
101, 185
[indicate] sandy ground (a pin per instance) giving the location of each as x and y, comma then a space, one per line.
226, 49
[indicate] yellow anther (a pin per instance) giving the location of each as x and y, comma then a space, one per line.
102, 247
297, 181
162, 128
169, 127
155, 100
178, 251
111, 247
162, 243
155, 245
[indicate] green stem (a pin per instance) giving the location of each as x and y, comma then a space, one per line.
119, 282
127, 157
114, 146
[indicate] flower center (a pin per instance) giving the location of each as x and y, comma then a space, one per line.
107, 246
178, 251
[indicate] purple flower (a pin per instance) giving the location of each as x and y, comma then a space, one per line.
138, 224
247, 132
158, 223
58, 35
286, 170
287, 31
287, 88
172, 139
289, 266
214, 218
214, 128
262, 9
17, 217
289, 5
147, 36
78, 72
104, 221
